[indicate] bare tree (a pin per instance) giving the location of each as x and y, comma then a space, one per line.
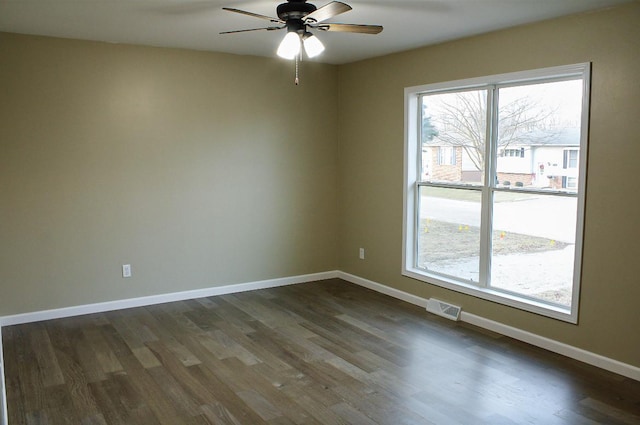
461, 121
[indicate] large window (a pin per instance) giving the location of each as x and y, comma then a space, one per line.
483, 218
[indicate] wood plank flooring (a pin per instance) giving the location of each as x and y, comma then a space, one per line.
320, 353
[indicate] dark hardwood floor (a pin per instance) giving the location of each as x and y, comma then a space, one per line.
320, 353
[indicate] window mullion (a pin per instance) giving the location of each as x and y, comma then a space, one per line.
486, 217
418, 177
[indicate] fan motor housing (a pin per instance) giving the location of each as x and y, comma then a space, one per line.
294, 10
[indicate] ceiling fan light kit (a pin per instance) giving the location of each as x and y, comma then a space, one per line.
312, 45
289, 46
298, 16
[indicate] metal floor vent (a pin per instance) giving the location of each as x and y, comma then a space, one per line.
443, 309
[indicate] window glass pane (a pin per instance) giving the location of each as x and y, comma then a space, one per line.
454, 127
449, 231
540, 124
533, 245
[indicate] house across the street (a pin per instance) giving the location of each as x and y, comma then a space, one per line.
543, 160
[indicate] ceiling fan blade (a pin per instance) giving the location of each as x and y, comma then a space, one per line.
255, 15
253, 29
327, 11
361, 29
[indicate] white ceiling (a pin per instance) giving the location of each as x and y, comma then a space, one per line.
195, 24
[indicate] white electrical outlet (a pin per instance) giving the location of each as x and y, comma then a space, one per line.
362, 253
126, 270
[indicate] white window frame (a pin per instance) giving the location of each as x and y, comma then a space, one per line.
411, 188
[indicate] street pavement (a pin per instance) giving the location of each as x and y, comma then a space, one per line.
552, 217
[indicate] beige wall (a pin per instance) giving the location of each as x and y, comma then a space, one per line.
371, 166
199, 169
205, 169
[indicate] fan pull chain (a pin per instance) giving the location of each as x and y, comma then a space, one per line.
297, 80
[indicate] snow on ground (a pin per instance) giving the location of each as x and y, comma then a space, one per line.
548, 274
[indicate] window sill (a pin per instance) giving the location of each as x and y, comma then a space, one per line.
511, 300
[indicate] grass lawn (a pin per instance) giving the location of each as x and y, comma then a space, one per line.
452, 248
442, 241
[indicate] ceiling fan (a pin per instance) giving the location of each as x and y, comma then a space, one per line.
298, 17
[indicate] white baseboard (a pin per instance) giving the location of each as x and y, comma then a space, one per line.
588, 357
4, 414
37, 316
576, 353
383, 289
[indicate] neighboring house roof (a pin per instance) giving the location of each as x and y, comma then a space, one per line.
560, 137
